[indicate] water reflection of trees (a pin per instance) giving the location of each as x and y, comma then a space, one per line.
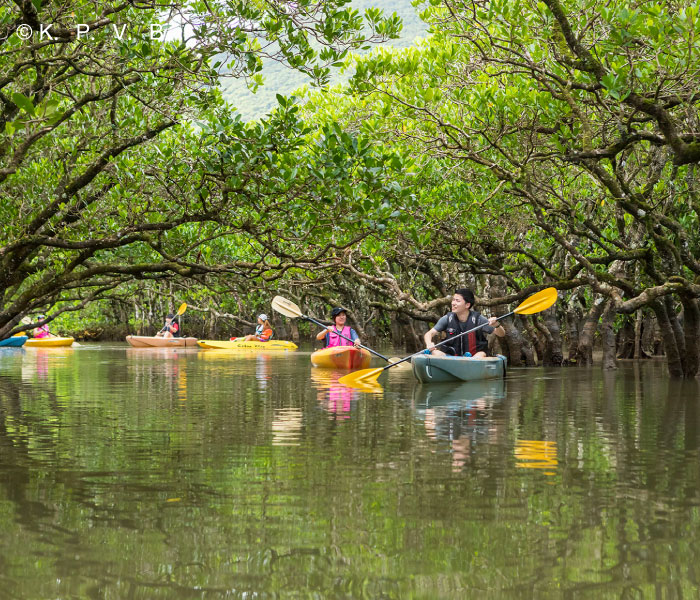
628, 444
151, 491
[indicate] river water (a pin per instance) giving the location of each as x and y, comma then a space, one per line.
130, 473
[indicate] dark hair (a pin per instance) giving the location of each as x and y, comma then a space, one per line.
468, 296
170, 316
336, 311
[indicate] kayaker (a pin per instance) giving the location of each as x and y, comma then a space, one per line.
263, 332
43, 331
171, 329
339, 317
461, 319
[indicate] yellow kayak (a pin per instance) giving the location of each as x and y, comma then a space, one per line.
341, 357
236, 344
49, 342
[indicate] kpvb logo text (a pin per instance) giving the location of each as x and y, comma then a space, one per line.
155, 31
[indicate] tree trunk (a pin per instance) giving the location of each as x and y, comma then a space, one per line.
404, 334
626, 339
572, 334
294, 329
677, 330
536, 338
638, 334
519, 349
554, 351
573, 317
584, 349
691, 326
673, 354
651, 341
413, 339
607, 331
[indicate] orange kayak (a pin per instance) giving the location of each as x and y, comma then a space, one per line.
341, 357
147, 341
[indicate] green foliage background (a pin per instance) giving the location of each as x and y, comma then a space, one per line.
279, 79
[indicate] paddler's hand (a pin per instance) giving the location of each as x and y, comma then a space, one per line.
356, 343
430, 346
497, 327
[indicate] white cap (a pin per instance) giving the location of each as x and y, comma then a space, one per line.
262, 317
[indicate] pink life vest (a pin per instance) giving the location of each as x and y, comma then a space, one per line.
42, 332
334, 339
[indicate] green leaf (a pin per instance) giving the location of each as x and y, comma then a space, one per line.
23, 102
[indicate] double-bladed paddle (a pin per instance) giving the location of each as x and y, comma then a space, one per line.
534, 304
180, 311
289, 309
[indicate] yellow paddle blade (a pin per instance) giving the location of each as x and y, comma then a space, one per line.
361, 378
369, 388
182, 309
537, 302
286, 307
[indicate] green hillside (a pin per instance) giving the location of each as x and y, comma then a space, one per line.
283, 80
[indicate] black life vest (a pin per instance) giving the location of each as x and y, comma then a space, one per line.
472, 342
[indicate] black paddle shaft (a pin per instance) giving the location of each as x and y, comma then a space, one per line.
345, 338
454, 337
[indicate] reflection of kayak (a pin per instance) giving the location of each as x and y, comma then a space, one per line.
243, 345
458, 394
147, 341
341, 357
460, 413
49, 342
225, 354
428, 369
14, 342
174, 353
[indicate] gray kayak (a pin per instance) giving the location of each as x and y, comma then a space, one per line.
429, 369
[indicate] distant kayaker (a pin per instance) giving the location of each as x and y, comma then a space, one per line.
43, 331
339, 316
263, 332
171, 329
461, 319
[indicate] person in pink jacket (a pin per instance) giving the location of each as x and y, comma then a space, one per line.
339, 316
43, 331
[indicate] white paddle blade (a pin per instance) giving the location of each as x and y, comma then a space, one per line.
406, 364
286, 307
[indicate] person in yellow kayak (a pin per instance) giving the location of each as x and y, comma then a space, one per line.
42, 332
263, 331
332, 339
461, 319
171, 329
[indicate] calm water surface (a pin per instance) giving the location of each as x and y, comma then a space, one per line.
130, 473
